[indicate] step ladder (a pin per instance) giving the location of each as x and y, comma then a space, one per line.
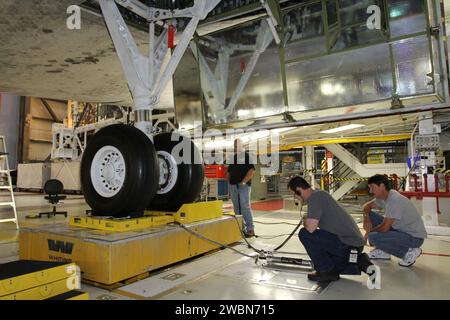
6, 182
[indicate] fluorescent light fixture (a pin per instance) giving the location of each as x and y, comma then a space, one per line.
219, 144
254, 136
245, 138
281, 130
343, 128
396, 12
244, 113
263, 134
329, 89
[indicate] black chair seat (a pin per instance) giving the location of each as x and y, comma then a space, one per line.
53, 188
55, 198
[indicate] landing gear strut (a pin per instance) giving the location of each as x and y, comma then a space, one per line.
123, 171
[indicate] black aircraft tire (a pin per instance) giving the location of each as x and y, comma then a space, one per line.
125, 192
188, 179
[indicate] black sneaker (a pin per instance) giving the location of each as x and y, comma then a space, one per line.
323, 276
249, 234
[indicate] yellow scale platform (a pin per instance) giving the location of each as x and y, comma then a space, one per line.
188, 213
109, 257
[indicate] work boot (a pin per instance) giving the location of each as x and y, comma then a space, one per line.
249, 234
323, 276
364, 262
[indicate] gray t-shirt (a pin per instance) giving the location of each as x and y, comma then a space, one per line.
333, 218
402, 210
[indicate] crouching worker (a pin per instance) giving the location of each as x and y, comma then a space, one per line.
401, 232
329, 235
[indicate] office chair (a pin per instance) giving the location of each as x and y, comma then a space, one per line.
53, 188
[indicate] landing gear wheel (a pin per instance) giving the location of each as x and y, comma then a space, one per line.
119, 172
179, 181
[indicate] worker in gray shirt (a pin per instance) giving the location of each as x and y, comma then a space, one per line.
329, 234
401, 232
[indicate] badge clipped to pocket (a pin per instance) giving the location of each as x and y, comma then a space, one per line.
353, 257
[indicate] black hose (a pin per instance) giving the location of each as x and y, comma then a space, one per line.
293, 232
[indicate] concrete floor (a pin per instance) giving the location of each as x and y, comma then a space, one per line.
225, 274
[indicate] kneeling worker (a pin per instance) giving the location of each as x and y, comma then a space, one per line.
401, 232
329, 234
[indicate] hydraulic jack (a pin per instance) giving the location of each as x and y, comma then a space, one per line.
273, 261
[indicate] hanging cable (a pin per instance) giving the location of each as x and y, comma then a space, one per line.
294, 231
243, 235
259, 251
212, 241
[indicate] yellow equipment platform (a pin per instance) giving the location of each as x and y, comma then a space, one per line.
108, 257
188, 213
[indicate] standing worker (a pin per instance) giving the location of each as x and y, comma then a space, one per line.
240, 173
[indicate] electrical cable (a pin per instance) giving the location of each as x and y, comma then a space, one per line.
284, 242
270, 223
212, 241
294, 231
259, 251
273, 237
243, 235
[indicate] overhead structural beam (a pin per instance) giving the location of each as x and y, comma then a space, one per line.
274, 21
215, 84
320, 142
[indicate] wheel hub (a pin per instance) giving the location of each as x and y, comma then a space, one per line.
108, 171
168, 172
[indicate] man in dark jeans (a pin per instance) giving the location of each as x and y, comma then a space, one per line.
329, 234
240, 174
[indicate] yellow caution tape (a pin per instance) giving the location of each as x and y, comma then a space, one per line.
337, 179
441, 170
